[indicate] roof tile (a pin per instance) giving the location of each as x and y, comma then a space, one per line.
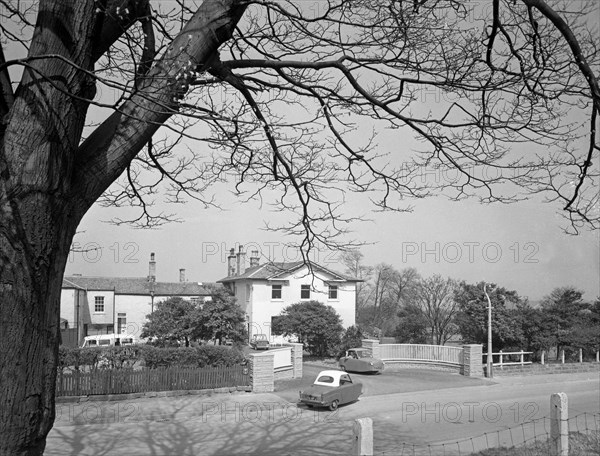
135, 286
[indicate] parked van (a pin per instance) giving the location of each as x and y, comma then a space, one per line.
109, 340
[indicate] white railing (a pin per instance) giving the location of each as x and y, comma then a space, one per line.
501, 354
428, 354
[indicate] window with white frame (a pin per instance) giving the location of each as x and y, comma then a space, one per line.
304, 291
333, 292
275, 291
99, 304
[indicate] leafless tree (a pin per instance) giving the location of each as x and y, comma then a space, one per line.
385, 293
283, 98
355, 268
435, 297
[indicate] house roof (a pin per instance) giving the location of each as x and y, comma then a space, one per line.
134, 286
279, 270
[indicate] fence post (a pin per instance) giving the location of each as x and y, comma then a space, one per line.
562, 356
559, 424
543, 356
522, 357
598, 356
500, 353
362, 437
581, 355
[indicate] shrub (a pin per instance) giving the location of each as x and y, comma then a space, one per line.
153, 357
202, 356
316, 325
352, 338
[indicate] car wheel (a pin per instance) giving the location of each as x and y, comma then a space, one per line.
309, 405
334, 405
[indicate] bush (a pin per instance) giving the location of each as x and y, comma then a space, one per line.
153, 357
316, 325
98, 357
352, 338
202, 356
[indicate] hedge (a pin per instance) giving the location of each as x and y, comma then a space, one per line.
152, 357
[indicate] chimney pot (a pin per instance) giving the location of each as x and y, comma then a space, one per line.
241, 261
231, 263
254, 259
182, 275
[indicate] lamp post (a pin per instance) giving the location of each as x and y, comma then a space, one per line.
489, 344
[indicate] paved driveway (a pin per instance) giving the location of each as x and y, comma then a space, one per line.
391, 381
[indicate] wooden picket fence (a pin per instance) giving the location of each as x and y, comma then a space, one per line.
123, 381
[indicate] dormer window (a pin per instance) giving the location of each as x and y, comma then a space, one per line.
304, 291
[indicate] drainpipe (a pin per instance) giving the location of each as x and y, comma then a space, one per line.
77, 318
114, 313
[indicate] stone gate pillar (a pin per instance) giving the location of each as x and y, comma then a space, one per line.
472, 360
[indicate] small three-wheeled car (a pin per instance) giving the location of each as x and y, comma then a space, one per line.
360, 360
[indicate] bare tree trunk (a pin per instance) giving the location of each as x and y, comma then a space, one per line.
35, 244
48, 180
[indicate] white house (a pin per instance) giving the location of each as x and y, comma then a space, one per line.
105, 305
263, 291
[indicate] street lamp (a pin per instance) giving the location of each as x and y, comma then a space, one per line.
489, 344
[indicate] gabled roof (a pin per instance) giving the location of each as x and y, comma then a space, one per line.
280, 270
134, 286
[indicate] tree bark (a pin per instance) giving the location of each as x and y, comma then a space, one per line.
48, 181
34, 243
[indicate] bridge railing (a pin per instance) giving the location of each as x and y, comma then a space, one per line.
416, 353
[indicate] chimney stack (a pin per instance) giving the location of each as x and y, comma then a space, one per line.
231, 263
152, 269
254, 258
241, 261
182, 275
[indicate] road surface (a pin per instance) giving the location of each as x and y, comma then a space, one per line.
411, 420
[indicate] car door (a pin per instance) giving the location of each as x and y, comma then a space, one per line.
352, 363
345, 389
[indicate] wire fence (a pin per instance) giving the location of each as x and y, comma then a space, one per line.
531, 438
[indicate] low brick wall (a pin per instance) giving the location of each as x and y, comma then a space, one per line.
543, 369
284, 374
